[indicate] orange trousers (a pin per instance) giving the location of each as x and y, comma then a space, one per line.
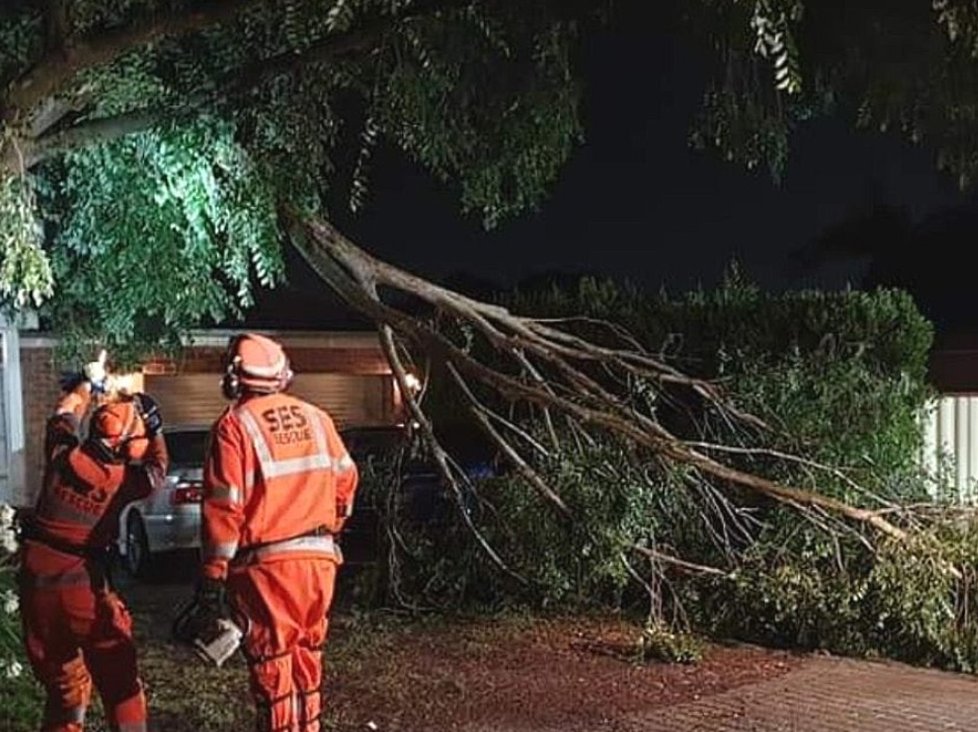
76, 635
286, 602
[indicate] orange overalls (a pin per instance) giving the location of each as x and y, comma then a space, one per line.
76, 628
278, 486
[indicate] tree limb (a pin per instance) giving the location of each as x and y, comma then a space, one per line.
680, 563
441, 457
511, 454
326, 243
91, 133
55, 25
329, 48
58, 66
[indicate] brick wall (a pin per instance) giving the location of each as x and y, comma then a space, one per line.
39, 381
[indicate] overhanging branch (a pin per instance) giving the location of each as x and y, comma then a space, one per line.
60, 65
91, 133
361, 39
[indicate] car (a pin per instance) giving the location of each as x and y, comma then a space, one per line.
360, 539
421, 488
168, 520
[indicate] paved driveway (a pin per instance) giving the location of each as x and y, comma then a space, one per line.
830, 695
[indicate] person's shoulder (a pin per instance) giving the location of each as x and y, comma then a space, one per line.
227, 421
64, 421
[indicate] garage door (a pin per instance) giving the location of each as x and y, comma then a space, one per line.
351, 399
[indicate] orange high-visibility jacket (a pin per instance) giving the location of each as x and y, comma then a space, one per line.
81, 495
277, 471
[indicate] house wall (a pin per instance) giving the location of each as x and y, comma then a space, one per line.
39, 376
317, 358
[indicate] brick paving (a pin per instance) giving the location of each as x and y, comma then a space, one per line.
829, 695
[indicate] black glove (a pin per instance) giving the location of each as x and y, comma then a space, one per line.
211, 596
200, 615
149, 411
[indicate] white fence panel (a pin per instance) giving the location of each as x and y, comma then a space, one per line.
951, 443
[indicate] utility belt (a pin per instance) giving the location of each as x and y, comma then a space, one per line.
97, 559
318, 541
31, 532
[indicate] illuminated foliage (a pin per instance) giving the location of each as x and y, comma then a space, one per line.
157, 174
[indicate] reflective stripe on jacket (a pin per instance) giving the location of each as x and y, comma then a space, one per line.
276, 470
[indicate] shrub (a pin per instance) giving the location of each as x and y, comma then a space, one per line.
658, 642
841, 380
19, 696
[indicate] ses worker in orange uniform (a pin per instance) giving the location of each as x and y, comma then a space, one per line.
278, 486
77, 630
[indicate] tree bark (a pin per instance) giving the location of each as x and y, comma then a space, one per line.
55, 25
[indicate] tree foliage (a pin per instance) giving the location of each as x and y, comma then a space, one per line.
194, 185
841, 380
156, 172
295, 96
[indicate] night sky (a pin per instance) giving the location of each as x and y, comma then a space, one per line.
636, 202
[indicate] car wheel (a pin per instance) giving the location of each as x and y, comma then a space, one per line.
137, 559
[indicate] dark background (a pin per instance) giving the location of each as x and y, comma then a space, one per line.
635, 202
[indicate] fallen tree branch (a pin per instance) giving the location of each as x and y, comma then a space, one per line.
797, 459
682, 564
325, 242
511, 454
357, 276
441, 457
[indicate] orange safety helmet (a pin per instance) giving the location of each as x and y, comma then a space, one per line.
118, 433
257, 364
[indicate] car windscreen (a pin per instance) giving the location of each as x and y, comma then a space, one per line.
187, 448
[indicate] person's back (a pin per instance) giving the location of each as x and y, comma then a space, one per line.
279, 458
278, 485
86, 485
83, 493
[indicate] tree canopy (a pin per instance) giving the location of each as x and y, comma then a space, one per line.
159, 138
146, 145
156, 154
